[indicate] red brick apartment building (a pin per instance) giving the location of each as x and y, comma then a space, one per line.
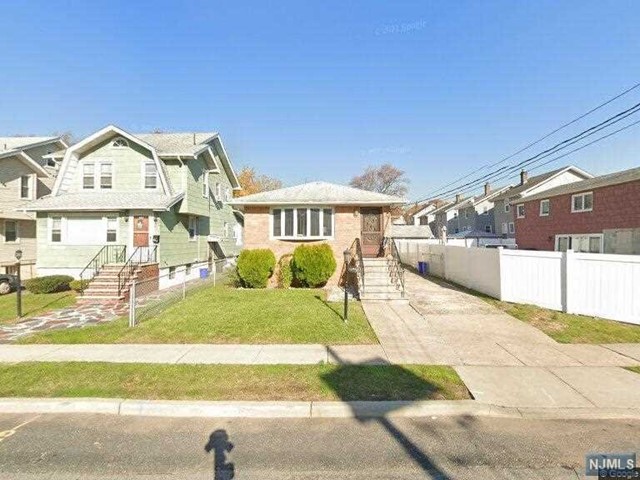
597, 215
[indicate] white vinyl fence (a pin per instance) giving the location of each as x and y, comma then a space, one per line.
606, 286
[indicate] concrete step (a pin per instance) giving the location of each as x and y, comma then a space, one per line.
102, 292
375, 270
381, 296
103, 286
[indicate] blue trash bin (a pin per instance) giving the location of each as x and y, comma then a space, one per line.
204, 273
422, 266
426, 269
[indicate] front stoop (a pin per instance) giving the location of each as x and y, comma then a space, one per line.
378, 283
104, 286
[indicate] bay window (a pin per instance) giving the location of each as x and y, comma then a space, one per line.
302, 223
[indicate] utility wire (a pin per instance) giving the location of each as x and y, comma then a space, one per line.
535, 142
550, 151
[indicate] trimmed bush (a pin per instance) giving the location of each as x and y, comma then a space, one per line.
78, 285
255, 267
49, 284
285, 275
313, 265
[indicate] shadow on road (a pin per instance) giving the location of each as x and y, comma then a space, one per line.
220, 445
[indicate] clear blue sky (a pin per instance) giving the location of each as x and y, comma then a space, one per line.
320, 90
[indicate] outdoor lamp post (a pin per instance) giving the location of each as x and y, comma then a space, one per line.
19, 289
348, 270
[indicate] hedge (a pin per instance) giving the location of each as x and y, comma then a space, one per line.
285, 275
313, 265
79, 285
49, 284
255, 267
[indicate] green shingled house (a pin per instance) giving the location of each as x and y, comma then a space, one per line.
151, 199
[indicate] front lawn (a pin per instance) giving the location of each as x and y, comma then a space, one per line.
569, 328
231, 382
33, 304
227, 315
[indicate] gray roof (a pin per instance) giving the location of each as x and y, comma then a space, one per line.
482, 197
104, 201
589, 184
472, 234
184, 143
320, 193
535, 181
16, 143
409, 231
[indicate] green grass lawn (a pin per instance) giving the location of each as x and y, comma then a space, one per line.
231, 382
227, 315
569, 328
33, 304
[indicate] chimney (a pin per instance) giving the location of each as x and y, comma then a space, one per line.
524, 176
487, 189
458, 197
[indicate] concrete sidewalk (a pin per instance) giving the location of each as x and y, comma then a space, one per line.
196, 354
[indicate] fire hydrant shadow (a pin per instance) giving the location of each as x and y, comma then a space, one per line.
220, 445
368, 411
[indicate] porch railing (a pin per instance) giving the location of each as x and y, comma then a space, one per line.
396, 270
356, 259
140, 255
107, 254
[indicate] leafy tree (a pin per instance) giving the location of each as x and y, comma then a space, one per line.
251, 182
382, 179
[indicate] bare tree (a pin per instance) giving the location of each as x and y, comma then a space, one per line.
382, 179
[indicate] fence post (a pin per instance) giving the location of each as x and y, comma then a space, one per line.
132, 304
565, 282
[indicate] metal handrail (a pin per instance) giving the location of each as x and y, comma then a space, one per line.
396, 270
127, 270
359, 262
107, 254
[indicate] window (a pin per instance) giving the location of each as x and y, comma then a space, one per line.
187, 269
505, 228
172, 273
218, 192
507, 207
512, 227
582, 202
88, 175
193, 228
25, 186
150, 175
205, 185
10, 231
106, 175
112, 229
487, 228
56, 229
302, 222
544, 208
227, 194
236, 231
119, 143
520, 211
585, 243
225, 230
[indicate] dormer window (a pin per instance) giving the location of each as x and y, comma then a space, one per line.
119, 143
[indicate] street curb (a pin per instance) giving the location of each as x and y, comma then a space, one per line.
249, 409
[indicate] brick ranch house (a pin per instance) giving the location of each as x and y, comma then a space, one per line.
317, 212
597, 215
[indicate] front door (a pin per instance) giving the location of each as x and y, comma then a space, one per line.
140, 231
371, 234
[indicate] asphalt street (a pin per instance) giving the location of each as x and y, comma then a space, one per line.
104, 447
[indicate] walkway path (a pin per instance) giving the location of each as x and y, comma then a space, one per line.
79, 315
502, 360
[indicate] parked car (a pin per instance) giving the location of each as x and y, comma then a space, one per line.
8, 283
507, 247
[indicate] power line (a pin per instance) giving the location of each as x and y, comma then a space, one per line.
535, 142
550, 151
511, 174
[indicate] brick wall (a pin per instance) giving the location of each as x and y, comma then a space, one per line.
346, 224
614, 207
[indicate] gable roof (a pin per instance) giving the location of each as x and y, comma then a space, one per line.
615, 178
482, 197
521, 189
177, 143
318, 193
20, 143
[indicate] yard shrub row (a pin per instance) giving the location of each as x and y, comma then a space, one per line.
309, 266
49, 284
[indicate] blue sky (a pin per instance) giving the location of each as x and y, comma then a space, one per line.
320, 90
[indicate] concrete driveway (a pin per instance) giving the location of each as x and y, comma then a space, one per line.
501, 359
